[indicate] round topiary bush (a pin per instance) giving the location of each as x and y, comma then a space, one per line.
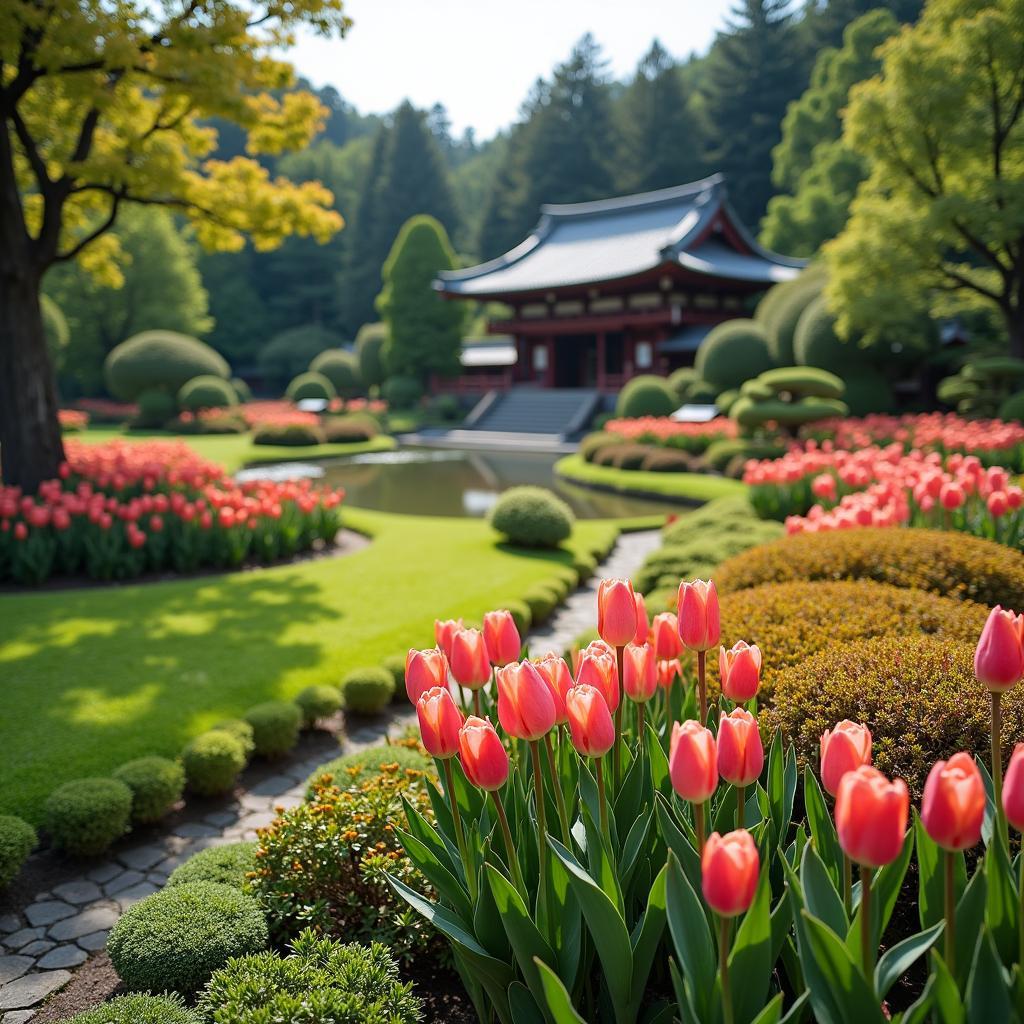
341, 368
275, 727
816, 343
242, 390
309, 385
647, 395
156, 784
161, 361
212, 762
291, 351
289, 435
85, 816
206, 392
176, 938
241, 730
682, 380
780, 310
17, 840
720, 453
155, 409
140, 1008
370, 353
225, 865
803, 382
363, 765
395, 664
318, 701
532, 517
948, 563
733, 352
917, 693
349, 429
401, 392
367, 691
585, 565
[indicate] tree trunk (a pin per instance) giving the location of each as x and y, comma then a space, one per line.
31, 449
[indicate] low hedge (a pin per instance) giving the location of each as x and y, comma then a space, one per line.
688, 487
17, 840
362, 765
532, 517
156, 784
721, 452
948, 563
85, 816
140, 1008
349, 430
275, 727
176, 938
288, 435
594, 443
213, 761
663, 460
367, 691
625, 455
917, 693
316, 702
225, 865
520, 612
542, 601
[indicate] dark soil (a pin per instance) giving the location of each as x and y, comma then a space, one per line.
444, 999
93, 983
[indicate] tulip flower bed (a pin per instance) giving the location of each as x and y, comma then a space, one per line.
692, 437
122, 509
623, 845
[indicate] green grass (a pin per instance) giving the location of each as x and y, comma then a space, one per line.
99, 675
687, 487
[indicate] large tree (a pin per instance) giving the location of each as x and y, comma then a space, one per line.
940, 218
103, 105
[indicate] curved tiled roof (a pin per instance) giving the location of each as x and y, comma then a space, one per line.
585, 243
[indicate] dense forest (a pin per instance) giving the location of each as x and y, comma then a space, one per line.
762, 106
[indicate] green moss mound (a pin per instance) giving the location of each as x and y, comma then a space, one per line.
160, 360
733, 352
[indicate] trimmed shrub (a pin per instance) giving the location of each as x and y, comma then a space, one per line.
290, 352
212, 762
159, 360
625, 455
155, 409
725, 400
646, 395
790, 622
532, 517
206, 392
140, 1009
17, 840
309, 385
733, 352
242, 731
750, 413
661, 460
242, 390
682, 380
952, 564
720, 453
341, 368
85, 816
275, 727
402, 756
176, 938
289, 435
917, 693
594, 443
780, 310
321, 981
447, 408
401, 392
585, 565
395, 664
816, 343
226, 865
349, 429
317, 701
804, 382
367, 691
370, 353
156, 784
521, 615
542, 603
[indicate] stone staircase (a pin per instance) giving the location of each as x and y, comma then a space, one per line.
558, 413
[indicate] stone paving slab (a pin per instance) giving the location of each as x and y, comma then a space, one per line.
32, 989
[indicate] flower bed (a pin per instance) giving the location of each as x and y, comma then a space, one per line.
121, 509
693, 437
72, 420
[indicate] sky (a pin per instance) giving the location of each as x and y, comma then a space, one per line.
480, 57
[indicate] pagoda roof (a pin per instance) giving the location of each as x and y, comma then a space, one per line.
689, 226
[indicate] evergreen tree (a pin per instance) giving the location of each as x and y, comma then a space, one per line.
824, 23
424, 330
241, 321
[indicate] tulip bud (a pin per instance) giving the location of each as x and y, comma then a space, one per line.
953, 805
698, 619
483, 757
642, 625
1013, 789
665, 636
999, 657
440, 721
871, 816
590, 722
693, 761
423, 671
668, 671
501, 637
597, 668
740, 753
444, 630
729, 869
639, 672
843, 749
468, 659
740, 671
616, 612
555, 672
526, 709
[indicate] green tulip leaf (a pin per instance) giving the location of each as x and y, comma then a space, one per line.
823, 832
646, 940
988, 989
559, 1004
684, 991
970, 916
658, 760
895, 961
750, 961
442, 879
691, 937
931, 885
772, 1013
988, 824
524, 1006
947, 1004
885, 892
819, 892
1002, 905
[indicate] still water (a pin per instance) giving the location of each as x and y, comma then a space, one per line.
463, 483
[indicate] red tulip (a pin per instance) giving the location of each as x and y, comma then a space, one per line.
597, 668
483, 757
642, 626
740, 753
668, 671
999, 656
526, 708
468, 658
871, 816
616, 612
590, 721
639, 672
555, 672
843, 749
953, 805
729, 870
440, 721
740, 671
20, 531
444, 630
665, 636
423, 671
1013, 789
693, 761
698, 618
501, 637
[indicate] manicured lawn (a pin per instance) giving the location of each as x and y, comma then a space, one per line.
95, 676
687, 487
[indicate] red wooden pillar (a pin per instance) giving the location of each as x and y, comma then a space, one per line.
601, 362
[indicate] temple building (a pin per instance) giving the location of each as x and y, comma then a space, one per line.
602, 291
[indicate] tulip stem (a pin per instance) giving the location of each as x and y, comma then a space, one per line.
698, 821
997, 768
449, 785
950, 895
741, 804
476, 704
847, 885
510, 848
617, 748
640, 728
602, 801
702, 686
723, 968
542, 827
867, 953
563, 815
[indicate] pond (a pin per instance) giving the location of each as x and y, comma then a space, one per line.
465, 483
